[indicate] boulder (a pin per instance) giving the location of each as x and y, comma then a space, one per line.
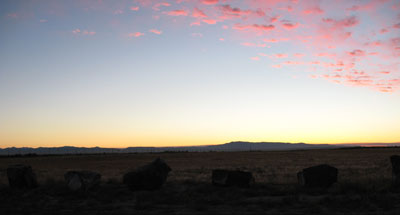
21, 176
395, 160
82, 180
226, 178
149, 177
322, 176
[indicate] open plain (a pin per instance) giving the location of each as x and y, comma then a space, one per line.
364, 184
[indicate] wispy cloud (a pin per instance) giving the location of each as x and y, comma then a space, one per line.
209, 2
78, 31
136, 34
155, 31
134, 8
177, 13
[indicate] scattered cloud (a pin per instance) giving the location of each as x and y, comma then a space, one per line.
155, 31
280, 55
136, 34
253, 27
209, 2
233, 12
357, 52
78, 31
210, 21
157, 6
289, 26
334, 46
177, 13
134, 8
249, 44
197, 13
313, 10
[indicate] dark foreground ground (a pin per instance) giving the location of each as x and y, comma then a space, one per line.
364, 185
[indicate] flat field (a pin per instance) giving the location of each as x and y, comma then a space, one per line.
364, 184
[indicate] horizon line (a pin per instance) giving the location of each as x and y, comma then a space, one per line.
371, 144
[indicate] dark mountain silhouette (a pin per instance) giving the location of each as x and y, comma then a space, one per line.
232, 146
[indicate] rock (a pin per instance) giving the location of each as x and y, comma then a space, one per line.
82, 180
21, 176
149, 177
318, 176
395, 160
228, 178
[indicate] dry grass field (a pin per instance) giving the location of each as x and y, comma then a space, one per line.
364, 185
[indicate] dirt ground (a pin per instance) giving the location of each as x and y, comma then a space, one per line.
364, 184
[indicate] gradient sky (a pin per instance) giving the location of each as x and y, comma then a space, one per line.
180, 72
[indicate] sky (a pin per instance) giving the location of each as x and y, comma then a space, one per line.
198, 72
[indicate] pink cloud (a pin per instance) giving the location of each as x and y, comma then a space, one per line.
210, 21
157, 6
346, 22
209, 2
274, 19
281, 55
43, 20
324, 54
373, 44
383, 30
195, 23
177, 13
134, 8
255, 58
145, 2
221, 39
270, 40
155, 31
396, 26
136, 34
371, 5
357, 52
294, 62
248, 44
76, 31
313, 10
287, 8
395, 41
259, 12
290, 26
86, 32
229, 12
83, 32
197, 13
253, 27
396, 6
298, 55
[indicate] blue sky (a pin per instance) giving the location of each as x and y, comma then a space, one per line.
152, 73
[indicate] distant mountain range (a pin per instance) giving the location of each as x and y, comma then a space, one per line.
232, 146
